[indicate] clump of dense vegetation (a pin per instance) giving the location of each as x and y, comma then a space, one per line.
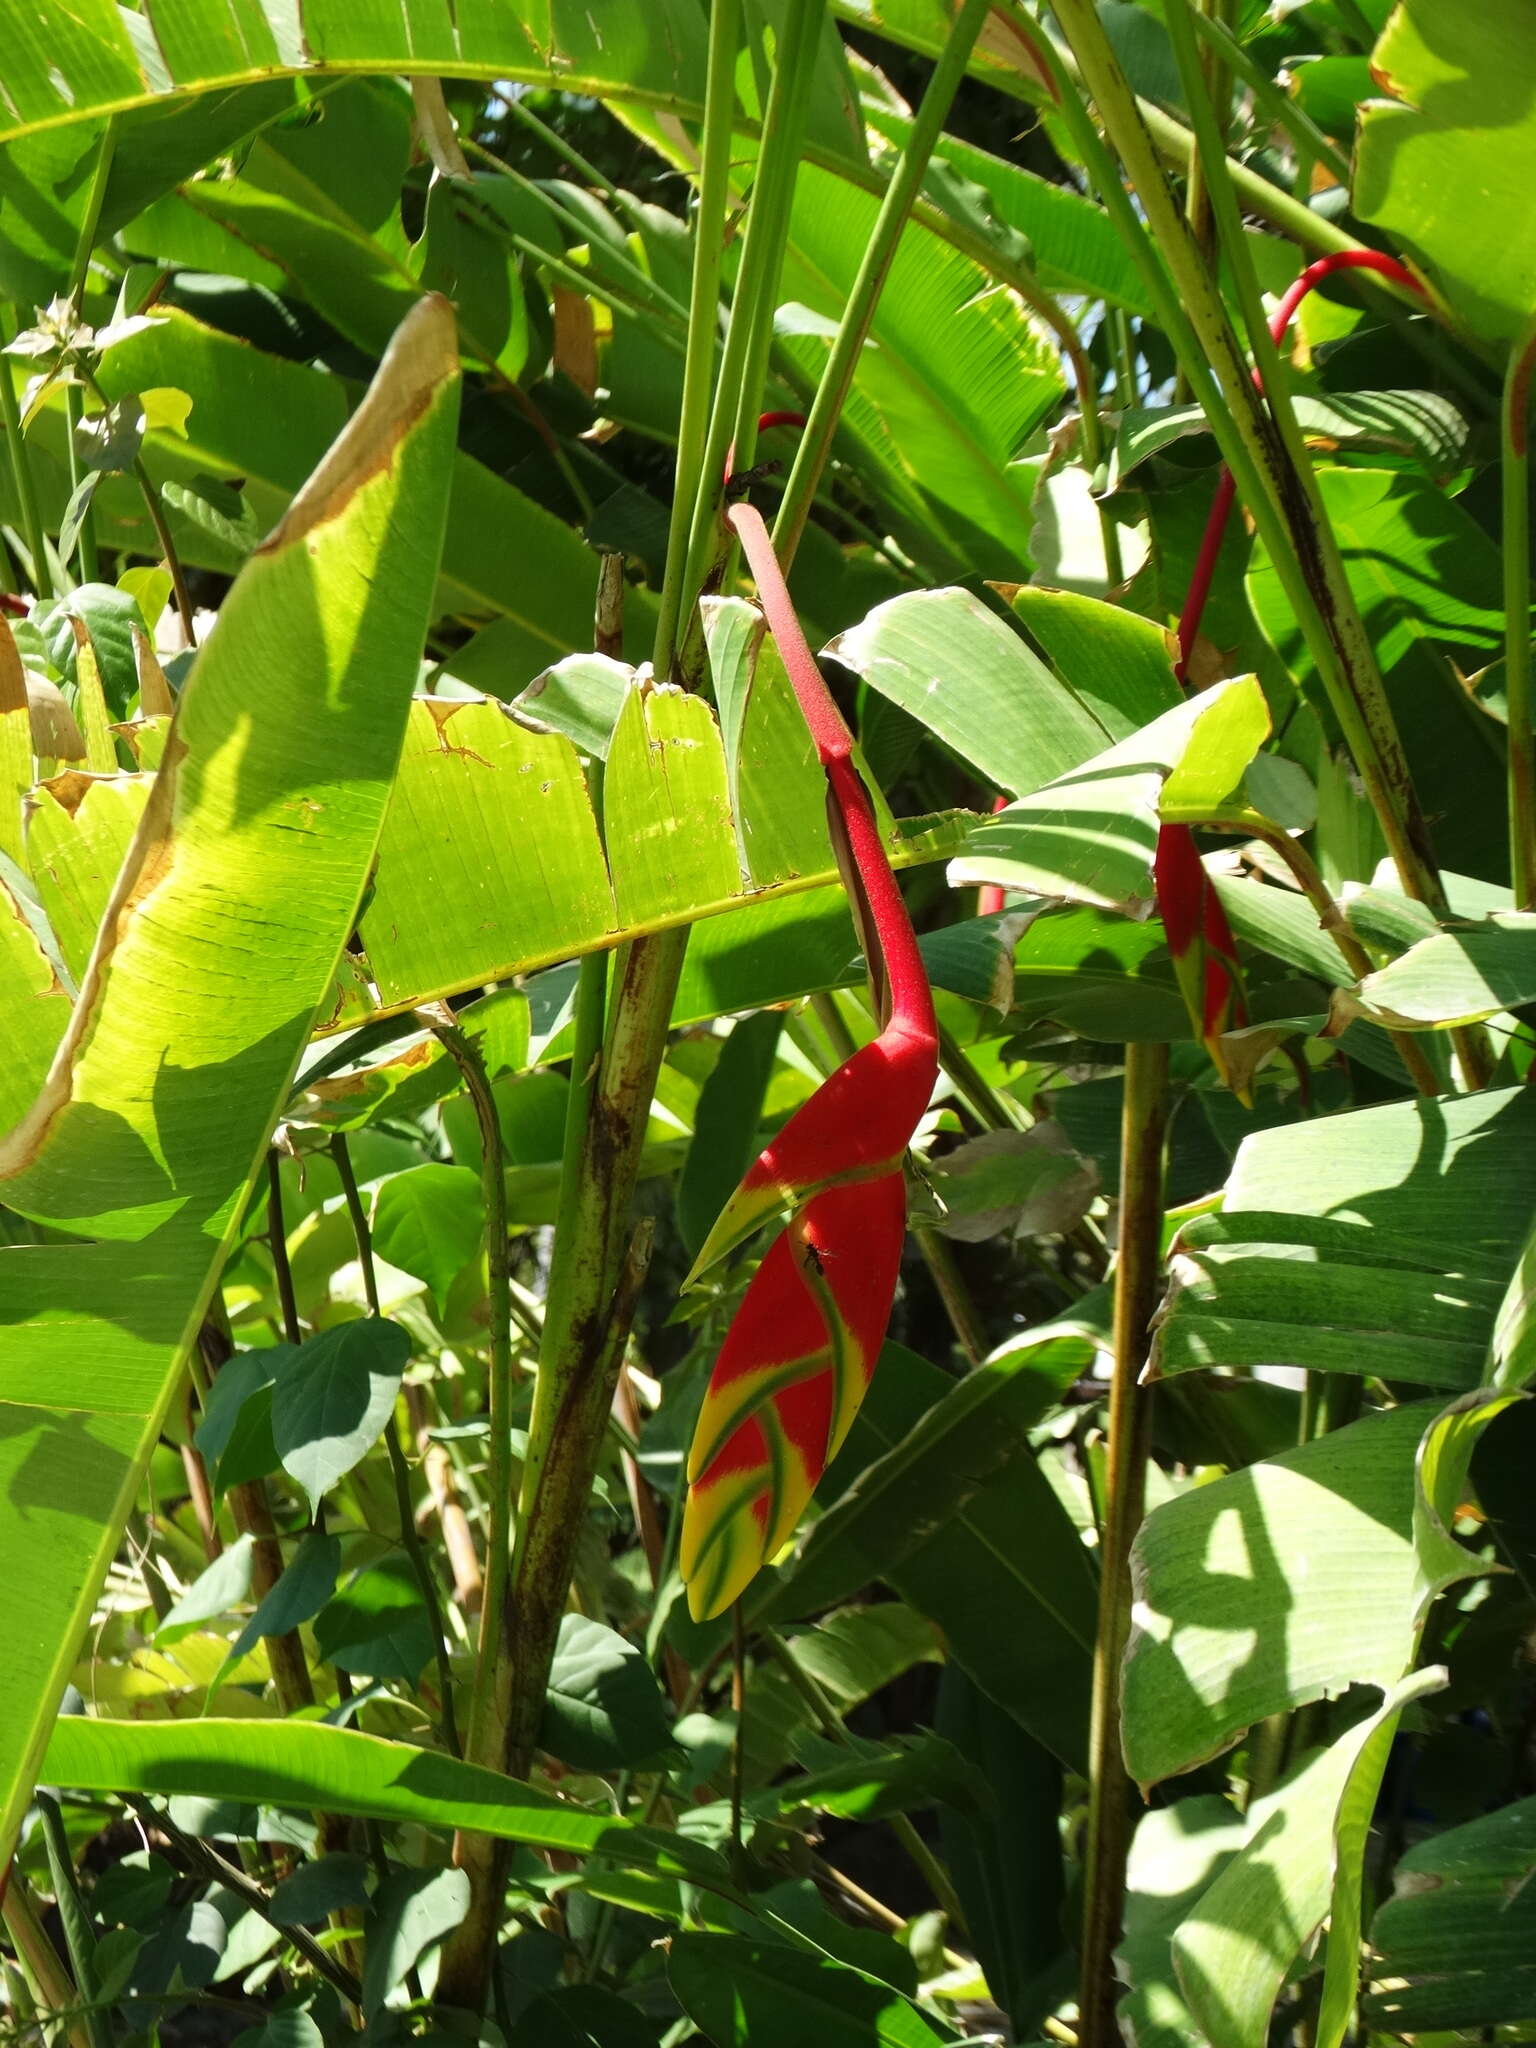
699, 1342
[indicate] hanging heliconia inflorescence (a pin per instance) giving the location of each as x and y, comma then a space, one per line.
1200, 939
799, 1354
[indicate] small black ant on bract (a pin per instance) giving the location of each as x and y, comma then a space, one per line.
815, 1256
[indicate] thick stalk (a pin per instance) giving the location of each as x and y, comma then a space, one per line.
492, 1596
593, 1282
1514, 421
79, 1939
703, 317
45, 1974
1137, 1278
859, 312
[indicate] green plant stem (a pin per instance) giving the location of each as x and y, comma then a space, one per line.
277, 1239
410, 1535
22, 479
80, 270
85, 546
46, 1979
1514, 423
739, 1732
778, 165
465, 1054
202, 1857
830, 1724
594, 1281
992, 1109
939, 1258
762, 249
1281, 493
79, 1939
859, 311
1137, 1279
1331, 919
645, 288
1281, 109
252, 1512
556, 143
703, 318
163, 535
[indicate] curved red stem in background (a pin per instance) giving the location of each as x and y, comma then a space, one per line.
1226, 491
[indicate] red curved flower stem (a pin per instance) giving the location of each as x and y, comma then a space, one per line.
1221, 506
911, 998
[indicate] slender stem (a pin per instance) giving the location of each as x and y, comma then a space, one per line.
795, 66
830, 1723
410, 1535
859, 311
645, 287
465, 1054
1331, 918
159, 522
202, 1856
22, 479
90, 220
555, 142
341, 1158
1282, 110
85, 544
79, 1939
739, 1733
252, 1512
703, 318
1137, 1279
277, 1239
993, 1111
85, 241
762, 250
1514, 421
964, 1320
45, 1974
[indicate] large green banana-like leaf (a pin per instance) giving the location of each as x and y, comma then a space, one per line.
490, 863
219, 941
1382, 1241
94, 58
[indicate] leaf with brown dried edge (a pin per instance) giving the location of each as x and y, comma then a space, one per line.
219, 941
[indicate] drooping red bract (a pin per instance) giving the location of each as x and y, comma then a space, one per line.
1200, 941
799, 1354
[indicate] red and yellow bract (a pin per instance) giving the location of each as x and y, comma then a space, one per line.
798, 1356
